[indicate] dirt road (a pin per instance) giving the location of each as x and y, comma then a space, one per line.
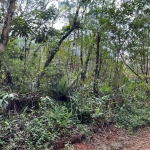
117, 139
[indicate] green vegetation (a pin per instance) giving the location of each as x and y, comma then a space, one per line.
59, 83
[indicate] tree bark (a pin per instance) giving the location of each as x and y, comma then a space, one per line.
85, 66
97, 67
7, 25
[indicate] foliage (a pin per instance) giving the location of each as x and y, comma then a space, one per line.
29, 131
135, 111
4, 100
133, 115
94, 70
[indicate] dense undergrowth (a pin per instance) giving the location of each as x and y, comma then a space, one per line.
66, 112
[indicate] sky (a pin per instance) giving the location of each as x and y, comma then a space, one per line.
59, 24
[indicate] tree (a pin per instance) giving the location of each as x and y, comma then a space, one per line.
73, 26
6, 26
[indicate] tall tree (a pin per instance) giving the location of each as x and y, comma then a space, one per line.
75, 24
6, 26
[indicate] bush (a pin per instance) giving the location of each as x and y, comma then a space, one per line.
31, 130
133, 115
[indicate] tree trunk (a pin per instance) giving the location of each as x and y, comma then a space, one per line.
7, 25
85, 66
97, 67
52, 53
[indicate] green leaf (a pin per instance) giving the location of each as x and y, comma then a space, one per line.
6, 123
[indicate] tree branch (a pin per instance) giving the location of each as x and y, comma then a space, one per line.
130, 67
52, 54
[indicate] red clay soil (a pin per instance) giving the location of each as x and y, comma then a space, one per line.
114, 138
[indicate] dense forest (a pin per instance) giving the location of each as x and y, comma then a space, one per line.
70, 64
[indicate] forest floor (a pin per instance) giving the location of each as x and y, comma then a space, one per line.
113, 138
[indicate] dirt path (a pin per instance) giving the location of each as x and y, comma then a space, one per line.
117, 139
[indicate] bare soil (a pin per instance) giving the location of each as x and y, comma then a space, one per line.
113, 138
